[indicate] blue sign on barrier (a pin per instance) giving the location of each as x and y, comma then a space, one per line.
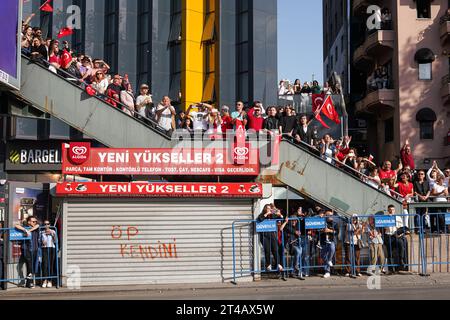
447, 219
17, 235
315, 223
384, 221
266, 226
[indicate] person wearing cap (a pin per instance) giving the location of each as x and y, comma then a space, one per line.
214, 122
200, 117
144, 103
227, 121
353, 243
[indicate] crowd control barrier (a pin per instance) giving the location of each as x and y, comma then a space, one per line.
343, 246
30, 260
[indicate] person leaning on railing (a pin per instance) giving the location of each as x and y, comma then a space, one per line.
422, 193
47, 240
440, 192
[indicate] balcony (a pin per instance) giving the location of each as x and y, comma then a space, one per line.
378, 44
445, 31
445, 90
380, 100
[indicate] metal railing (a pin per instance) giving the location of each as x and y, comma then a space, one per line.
42, 264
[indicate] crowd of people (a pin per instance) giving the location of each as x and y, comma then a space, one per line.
286, 89
379, 79
301, 250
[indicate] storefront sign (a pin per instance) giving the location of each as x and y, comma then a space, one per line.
134, 189
33, 156
17, 235
81, 159
315, 223
384, 221
447, 219
266, 226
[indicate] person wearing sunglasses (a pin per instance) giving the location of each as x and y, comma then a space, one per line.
29, 248
48, 244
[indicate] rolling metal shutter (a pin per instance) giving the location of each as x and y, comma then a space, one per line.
176, 241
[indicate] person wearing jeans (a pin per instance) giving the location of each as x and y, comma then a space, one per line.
293, 238
48, 245
328, 243
29, 248
376, 246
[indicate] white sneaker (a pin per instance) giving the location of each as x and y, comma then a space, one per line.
330, 263
49, 284
347, 274
280, 268
44, 285
269, 268
326, 275
359, 275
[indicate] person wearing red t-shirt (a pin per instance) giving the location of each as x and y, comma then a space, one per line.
53, 55
255, 118
406, 156
386, 172
227, 122
405, 187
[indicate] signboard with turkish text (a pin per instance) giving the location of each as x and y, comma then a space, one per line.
266, 226
385, 221
315, 223
80, 159
17, 235
144, 189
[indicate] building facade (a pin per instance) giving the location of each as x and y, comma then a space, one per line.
217, 51
398, 64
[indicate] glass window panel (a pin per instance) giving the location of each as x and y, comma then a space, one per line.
243, 27
208, 92
389, 130
208, 32
243, 55
175, 28
426, 130
175, 87
26, 128
144, 28
425, 71
58, 129
243, 87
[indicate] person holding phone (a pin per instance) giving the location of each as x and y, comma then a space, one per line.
29, 248
48, 244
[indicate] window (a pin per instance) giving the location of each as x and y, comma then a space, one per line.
426, 118
243, 50
336, 54
389, 130
425, 71
111, 33
342, 43
144, 43
423, 9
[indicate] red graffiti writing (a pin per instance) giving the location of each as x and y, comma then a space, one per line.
116, 232
142, 251
146, 251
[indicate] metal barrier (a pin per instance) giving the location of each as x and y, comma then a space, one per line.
32, 253
436, 241
334, 244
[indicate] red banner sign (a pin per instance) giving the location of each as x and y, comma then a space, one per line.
170, 190
80, 159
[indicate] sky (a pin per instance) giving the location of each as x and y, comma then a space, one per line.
300, 46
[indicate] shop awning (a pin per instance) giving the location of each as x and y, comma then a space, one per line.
426, 115
424, 55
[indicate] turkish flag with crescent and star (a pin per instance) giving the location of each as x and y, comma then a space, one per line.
317, 103
330, 111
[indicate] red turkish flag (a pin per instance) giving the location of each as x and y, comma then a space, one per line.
64, 32
317, 103
46, 7
330, 111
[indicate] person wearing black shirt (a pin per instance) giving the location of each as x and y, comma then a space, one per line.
288, 123
271, 122
269, 240
328, 242
29, 249
38, 50
303, 132
422, 192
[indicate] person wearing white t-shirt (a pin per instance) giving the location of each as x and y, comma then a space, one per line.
440, 194
144, 103
199, 117
165, 115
